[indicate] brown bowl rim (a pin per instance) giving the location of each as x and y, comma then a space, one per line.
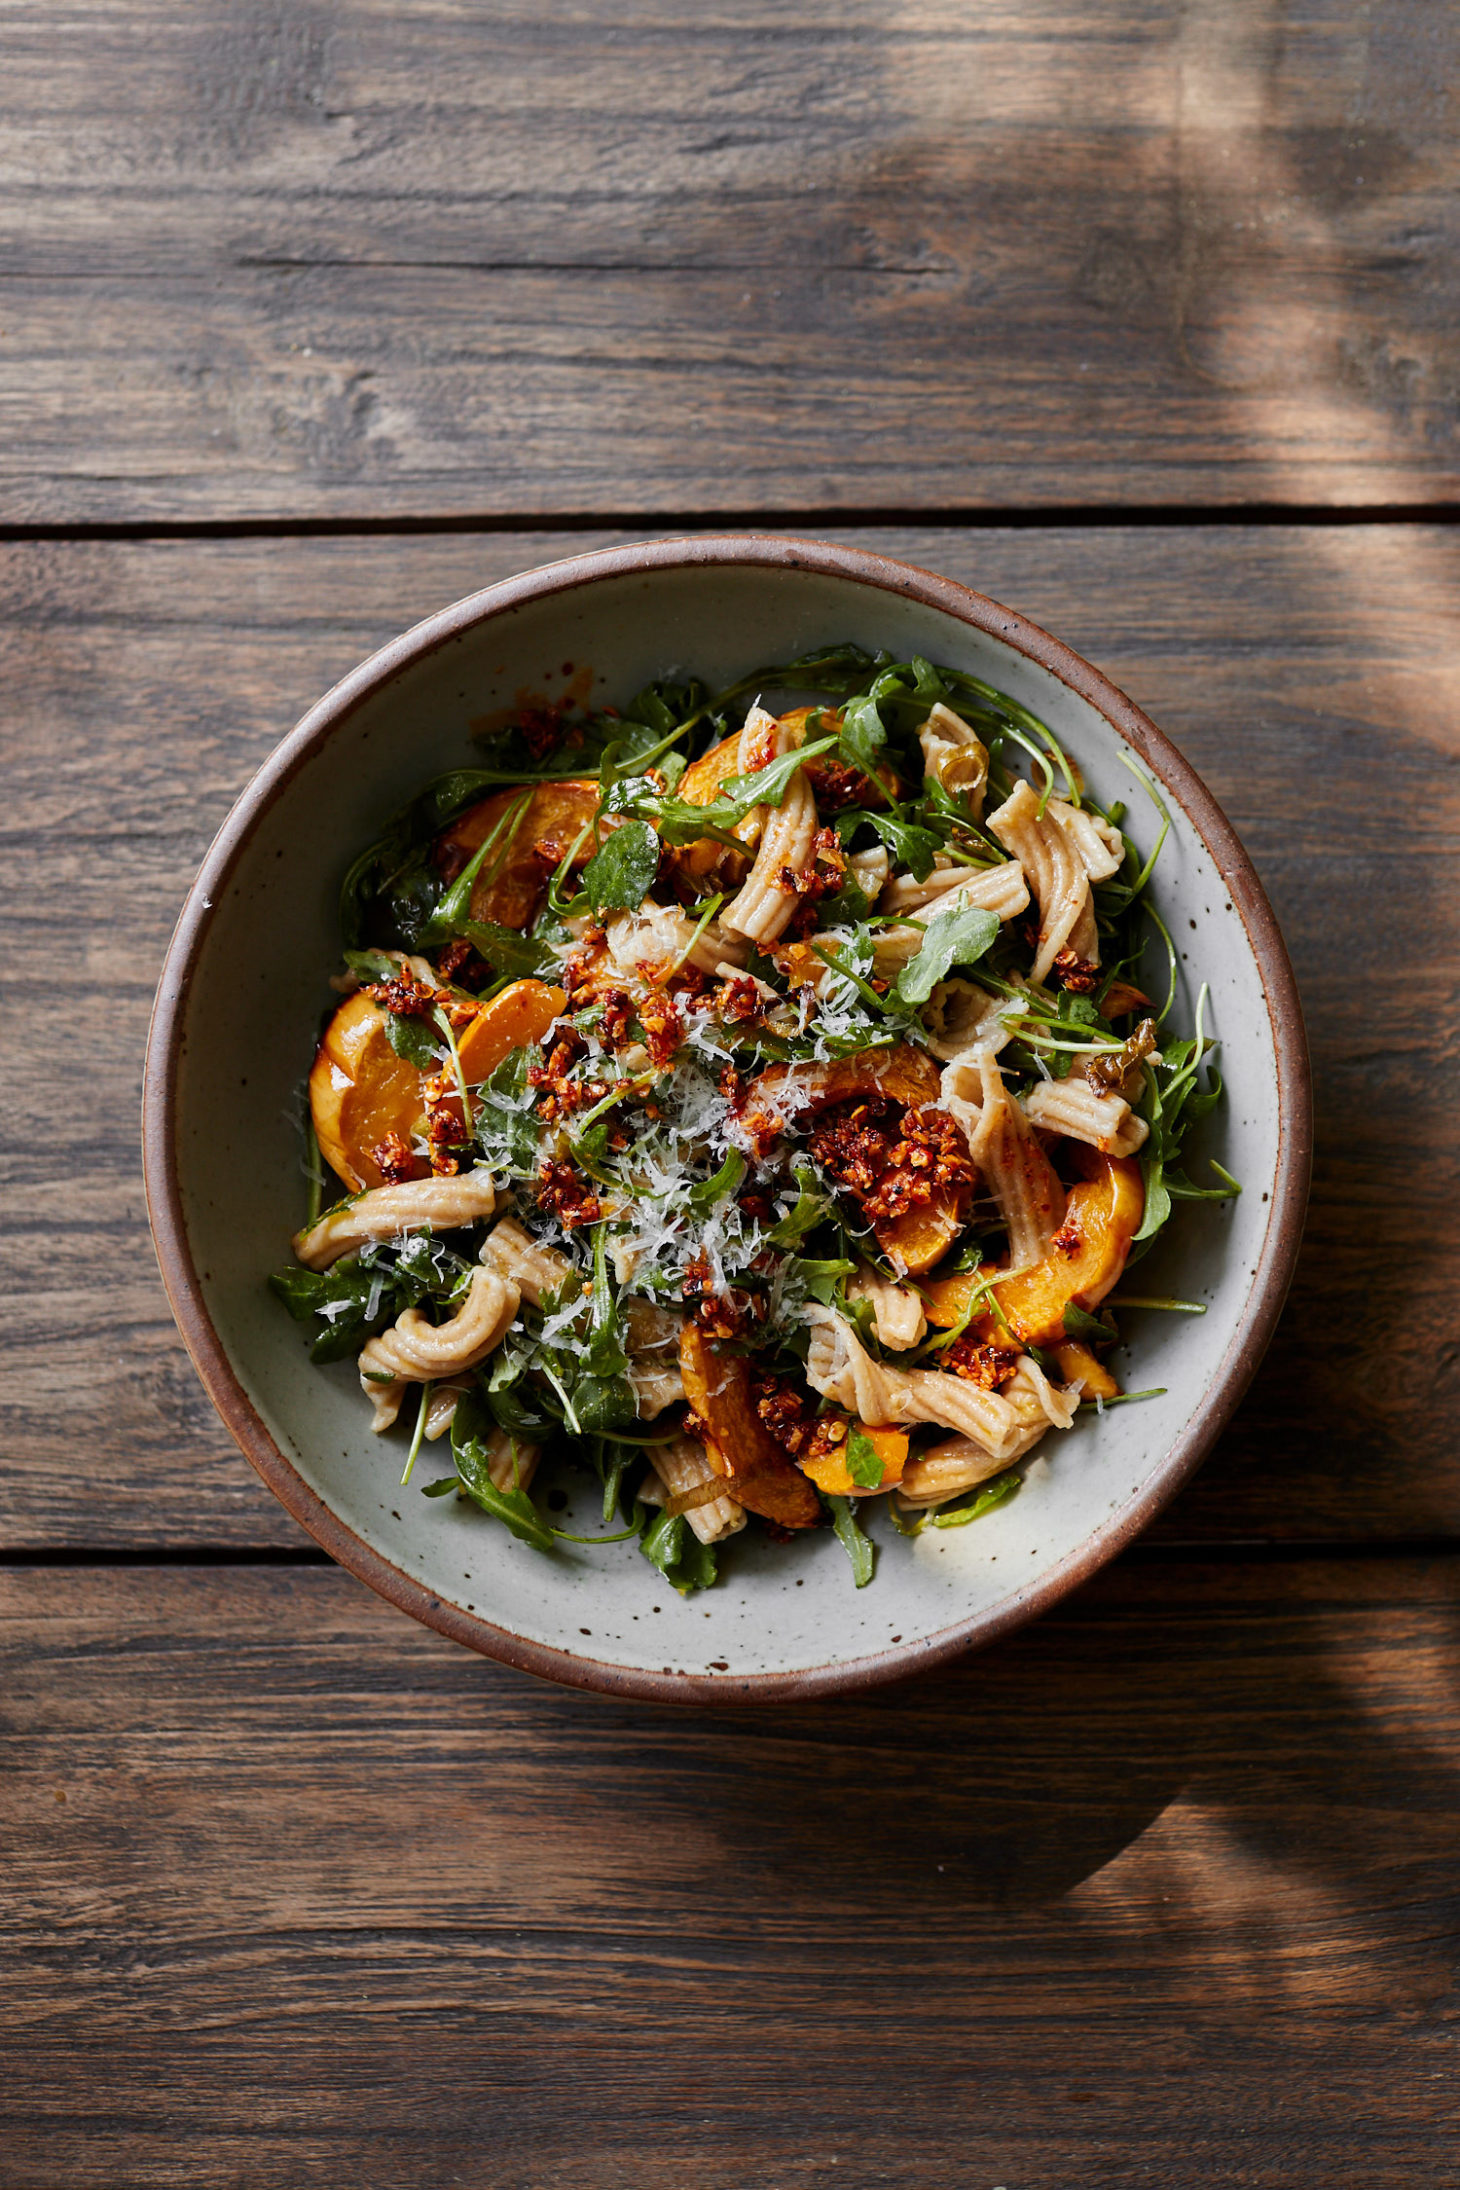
1178, 779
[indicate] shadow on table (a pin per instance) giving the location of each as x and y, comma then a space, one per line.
1273, 1702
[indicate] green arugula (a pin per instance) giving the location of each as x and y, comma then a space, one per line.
950, 939
668, 1542
864, 1462
621, 874
857, 1547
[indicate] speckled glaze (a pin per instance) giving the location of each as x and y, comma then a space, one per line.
234, 1025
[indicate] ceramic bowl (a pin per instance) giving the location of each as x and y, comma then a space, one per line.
235, 1024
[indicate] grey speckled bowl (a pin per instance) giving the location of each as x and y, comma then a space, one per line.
234, 1025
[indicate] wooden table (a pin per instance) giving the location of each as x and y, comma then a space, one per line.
1141, 318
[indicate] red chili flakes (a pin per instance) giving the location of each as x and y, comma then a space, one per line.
1068, 1238
560, 1092
785, 1411
579, 970
738, 1001
566, 1193
407, 998
888, 1166
981, 1364
836, 786
396, 1160
542, 730
720, 1311
659, 1016
822, 876
1078, 975
617, 1008
460, 963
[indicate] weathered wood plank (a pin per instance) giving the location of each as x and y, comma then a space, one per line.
577, 257
1161, 1891
1311, 674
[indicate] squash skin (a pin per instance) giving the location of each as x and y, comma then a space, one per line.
554, 816
1102, 1217
360, 1090
758, 1471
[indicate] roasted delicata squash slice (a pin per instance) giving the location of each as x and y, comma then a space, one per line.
920, 1237
759, 1472
917, 1238
361, 1092
786, 1094
1083, 1264
829, 1472
509, 889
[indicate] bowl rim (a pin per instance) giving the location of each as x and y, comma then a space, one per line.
1265, 1295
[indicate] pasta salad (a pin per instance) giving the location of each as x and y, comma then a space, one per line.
754, 1099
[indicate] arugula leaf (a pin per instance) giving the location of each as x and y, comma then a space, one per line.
471, 1428
811, 1206
360, 1294
668, 1542
679, 822
373, 965
412, 1039
707, 1196
1080, 1324
911, 845
821, 1279
978, 1501
621, 873
858, 1547
862, 735
951, 939
864, 1462
768, 786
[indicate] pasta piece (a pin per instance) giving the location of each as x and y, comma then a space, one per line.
653, 1350
763, 906
960, 1016
1002, 889
385, 1394
1100, 845
897, 1312
1073, 1107
511, 1465
1053, 859
441, 1406
1039, 1404
531, 1267
388, 1212
999, 890
414, 1351
1015, 1168
869, 870
685, 1467
955, 756
840, 1368
944, 1471
661, 935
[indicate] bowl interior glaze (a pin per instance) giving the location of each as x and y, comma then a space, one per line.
241, 1002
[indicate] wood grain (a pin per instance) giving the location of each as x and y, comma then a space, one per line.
1310, 674
278, 259
1158, 1892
